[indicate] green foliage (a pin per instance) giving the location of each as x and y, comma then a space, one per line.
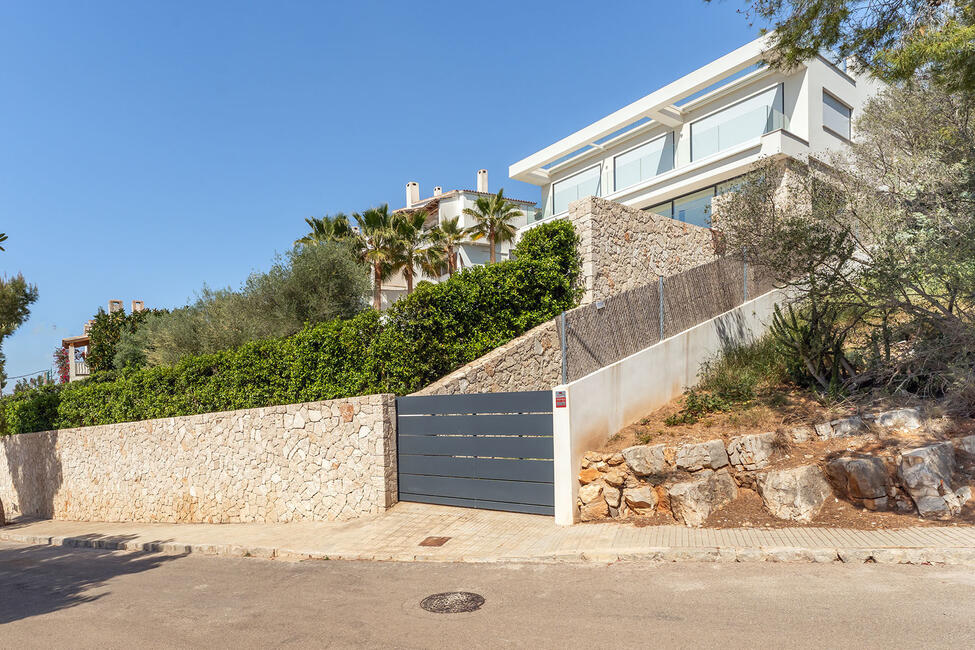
732, 380
811, 344
308, 285
895, 39
493, 218
554, 240
16, 297
419, 339
107, 330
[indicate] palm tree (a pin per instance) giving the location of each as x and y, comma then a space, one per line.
326, 229
447, 237
493, 216
375, 242
412, 250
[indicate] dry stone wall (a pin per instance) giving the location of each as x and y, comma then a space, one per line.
318, 461
624, 248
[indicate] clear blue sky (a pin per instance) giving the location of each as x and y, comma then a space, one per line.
147, 148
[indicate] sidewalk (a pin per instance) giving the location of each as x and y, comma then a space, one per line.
487, 536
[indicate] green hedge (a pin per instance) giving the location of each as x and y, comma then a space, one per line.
424, 336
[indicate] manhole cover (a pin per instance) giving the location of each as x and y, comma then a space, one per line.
452, 602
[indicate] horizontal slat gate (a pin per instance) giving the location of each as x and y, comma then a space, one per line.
489, 450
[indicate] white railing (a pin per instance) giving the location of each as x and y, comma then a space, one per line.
81, 369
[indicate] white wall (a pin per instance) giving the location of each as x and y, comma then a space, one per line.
600, 404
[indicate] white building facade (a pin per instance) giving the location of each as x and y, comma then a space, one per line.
677, 148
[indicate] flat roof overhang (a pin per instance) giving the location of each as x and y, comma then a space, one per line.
658, 106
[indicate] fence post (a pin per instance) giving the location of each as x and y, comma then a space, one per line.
565, 362
660, 299
744, 275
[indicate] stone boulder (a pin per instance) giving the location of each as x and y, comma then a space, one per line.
641, 500
906, 418
593, 506
645, 460
751, 452
925, 473
797, 493
705, 455
693, 501
965, 447
846, 427
861, 478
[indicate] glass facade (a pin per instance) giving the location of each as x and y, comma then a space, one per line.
746, 120
836, 115
583, 184
695, 208
644, 162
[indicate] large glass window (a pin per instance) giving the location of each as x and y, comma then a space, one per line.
836, 115
583, 184
695, 208
644, 162
736, 124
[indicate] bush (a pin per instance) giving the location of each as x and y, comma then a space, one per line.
107, 330
419, 339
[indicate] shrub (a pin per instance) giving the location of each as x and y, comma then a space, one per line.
419, 339
107, 330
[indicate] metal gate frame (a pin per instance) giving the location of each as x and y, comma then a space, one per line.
485, 450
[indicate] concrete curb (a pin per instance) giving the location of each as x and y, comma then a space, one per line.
958, 556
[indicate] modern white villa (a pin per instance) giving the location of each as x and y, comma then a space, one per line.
677, 148
447, 205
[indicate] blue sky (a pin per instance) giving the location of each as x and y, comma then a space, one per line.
147, 148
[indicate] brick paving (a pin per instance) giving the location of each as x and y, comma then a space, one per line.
487, 536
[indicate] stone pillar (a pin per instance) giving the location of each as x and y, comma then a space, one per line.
71, 369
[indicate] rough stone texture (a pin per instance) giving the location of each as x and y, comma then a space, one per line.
802, 434
641, 500
705, 455
646, 460
318, 461
861, 478
965, 447
846, 427
797, 493
624, 248
906, 418
533, 361
925, 474
693, 501
751, 452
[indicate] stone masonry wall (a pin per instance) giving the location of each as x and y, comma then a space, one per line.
533, 361
316, 461
624, 248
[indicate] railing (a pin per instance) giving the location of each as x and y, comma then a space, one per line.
81, 369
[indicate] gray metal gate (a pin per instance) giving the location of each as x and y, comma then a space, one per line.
486, 450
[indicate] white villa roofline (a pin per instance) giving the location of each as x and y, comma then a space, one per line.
658, 106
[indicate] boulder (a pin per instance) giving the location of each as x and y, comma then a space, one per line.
641, 500
925, 473
824, 430
614, 478
588, 475
645, 460
612, 497
861, 478
590, 493
847, 427
802, 434
705, 455
797, 493
751, 452
906, 418
598, 509
965, 447
615, 459
693, 501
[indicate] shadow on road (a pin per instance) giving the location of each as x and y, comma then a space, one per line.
38, 580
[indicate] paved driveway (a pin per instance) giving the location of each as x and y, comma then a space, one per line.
57, 597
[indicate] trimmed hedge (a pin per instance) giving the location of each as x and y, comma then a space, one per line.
421, 338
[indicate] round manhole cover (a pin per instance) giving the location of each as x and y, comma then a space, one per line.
452, 602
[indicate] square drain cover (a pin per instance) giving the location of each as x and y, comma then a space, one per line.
434, 541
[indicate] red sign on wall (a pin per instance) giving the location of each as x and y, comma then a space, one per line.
560, 399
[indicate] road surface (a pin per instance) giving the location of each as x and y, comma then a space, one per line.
57, 597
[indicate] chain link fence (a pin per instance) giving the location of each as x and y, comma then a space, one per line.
605, 331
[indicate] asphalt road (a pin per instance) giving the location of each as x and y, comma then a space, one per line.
56, 597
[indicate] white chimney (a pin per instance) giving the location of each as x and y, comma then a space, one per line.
482, 184
437, 191
138, 305
114, 306
412, 193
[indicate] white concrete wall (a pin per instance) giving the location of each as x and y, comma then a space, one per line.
600, 404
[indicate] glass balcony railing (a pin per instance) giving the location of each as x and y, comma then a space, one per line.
738, 130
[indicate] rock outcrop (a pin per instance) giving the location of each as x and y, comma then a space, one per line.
751, 452
861, 478
797, 493
693, 501
705, 455
925, 473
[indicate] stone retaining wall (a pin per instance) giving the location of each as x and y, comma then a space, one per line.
302, 462
624, 248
